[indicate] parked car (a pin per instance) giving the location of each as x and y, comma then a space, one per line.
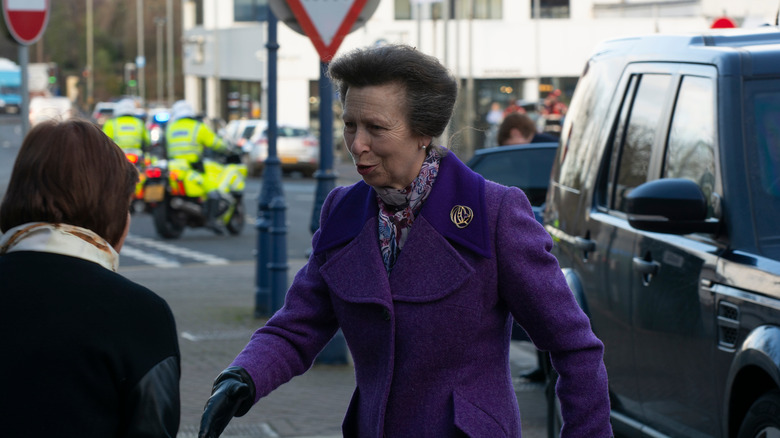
525, 166
238, 132
297, 149
46, 108
102, 112
663, 206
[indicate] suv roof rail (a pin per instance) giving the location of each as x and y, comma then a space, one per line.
743, 37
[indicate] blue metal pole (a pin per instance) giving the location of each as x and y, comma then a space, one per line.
24, 110
277, 268
271, 189
336, 350
326, 176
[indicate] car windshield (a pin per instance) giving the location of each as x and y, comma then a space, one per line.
764, 153
248, 131
287, 131
528, 169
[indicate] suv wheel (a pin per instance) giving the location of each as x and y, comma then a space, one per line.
763, 418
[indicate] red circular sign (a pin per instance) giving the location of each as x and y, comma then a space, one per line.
26, 19
723, 23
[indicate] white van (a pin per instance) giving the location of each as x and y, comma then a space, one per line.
47, 108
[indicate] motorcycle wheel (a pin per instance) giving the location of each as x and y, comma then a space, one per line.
164, 223
236, 222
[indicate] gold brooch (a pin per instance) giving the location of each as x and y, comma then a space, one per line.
461, 216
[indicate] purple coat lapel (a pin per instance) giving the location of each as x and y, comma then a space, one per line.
428, 252
456, 184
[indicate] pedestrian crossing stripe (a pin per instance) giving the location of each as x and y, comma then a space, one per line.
129, 249
148, 258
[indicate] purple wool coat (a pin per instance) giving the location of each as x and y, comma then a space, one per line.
430, 342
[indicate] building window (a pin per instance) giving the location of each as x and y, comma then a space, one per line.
198, 12
458, 9
250, 10
551, 8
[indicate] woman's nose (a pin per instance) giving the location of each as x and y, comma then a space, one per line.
359, 142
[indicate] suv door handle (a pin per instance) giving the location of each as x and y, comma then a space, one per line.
584, 244
647, 267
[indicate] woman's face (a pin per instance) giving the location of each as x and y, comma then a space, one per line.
377, 135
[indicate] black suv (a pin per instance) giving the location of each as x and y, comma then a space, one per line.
664, 206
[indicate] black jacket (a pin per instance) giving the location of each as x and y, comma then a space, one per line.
85, 352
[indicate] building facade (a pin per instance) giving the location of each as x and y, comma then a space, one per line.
501, 50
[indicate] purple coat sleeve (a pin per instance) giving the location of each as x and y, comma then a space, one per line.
531, 282
288, 343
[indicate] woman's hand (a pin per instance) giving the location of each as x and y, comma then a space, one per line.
232, 396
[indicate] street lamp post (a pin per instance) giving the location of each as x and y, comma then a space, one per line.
160, 23
140, 60
90, 91
271, 277
326, 176
169, 15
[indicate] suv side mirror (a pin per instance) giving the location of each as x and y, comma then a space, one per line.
669, 205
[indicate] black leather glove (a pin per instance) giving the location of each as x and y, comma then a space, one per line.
232, 396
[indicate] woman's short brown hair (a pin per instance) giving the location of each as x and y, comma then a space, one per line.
521, 122
431, 90
70, 172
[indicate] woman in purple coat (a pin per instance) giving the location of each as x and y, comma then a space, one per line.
422, 265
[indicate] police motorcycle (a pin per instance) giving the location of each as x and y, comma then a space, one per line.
176, 198
140, 162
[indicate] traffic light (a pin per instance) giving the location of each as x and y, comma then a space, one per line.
130, 75
52, 71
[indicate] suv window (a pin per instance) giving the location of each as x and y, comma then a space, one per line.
635, 139
763, 148
690, 150
592, 104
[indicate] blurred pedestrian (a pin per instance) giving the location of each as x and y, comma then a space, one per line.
422, 265
493, 118
553, 106
519, 128
514, 107
86, 352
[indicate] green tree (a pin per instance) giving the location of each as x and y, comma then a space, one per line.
64, 42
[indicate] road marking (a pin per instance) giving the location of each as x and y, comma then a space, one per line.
217, 335
163, 262
148, 258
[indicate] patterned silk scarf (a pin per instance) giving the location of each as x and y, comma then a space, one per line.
398, 208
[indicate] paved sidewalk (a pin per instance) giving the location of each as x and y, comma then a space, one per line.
213, 307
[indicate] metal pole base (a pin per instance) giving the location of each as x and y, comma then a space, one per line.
336, 352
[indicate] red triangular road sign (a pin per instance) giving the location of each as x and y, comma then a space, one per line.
326, 22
